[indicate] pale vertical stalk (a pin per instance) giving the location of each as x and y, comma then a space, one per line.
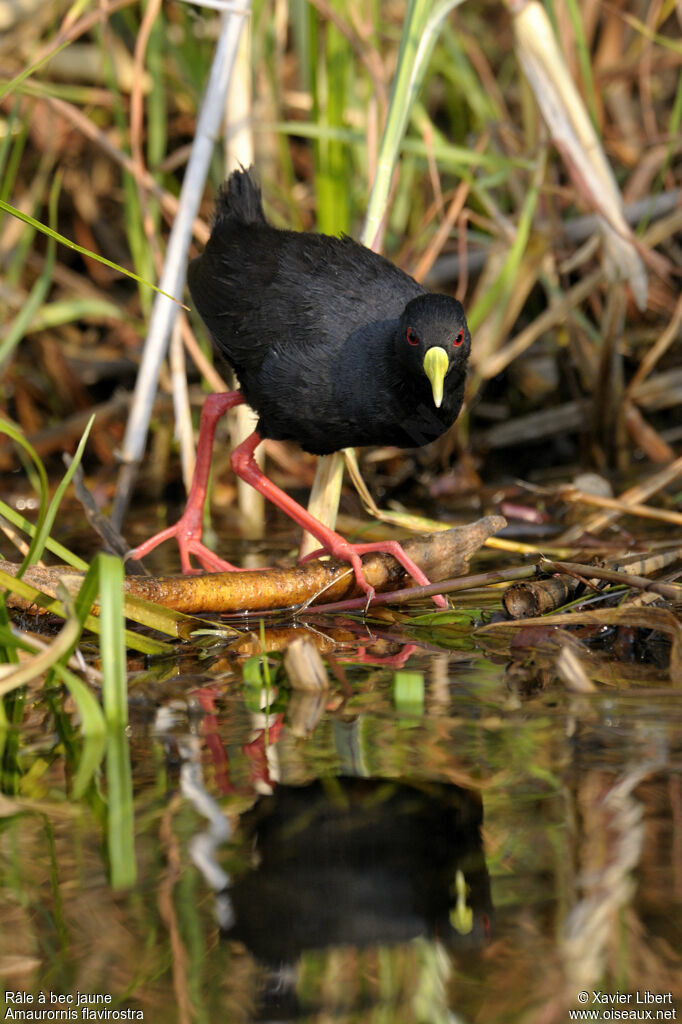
325, 495
422, 23
239, 152
164, 310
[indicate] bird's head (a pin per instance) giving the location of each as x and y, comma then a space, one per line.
433, 338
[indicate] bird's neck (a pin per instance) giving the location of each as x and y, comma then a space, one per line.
371, 350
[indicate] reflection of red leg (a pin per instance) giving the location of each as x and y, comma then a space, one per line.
391, 660
246, 467
187, 530
209, 728
257, 751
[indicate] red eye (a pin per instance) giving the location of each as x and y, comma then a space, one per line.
459, 339
412, 338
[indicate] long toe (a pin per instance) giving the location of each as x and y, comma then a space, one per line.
356, 563
342, 549
392, 547
147, 546
207, 558
188, 545
213, 563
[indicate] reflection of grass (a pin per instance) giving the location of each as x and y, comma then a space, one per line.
408, 692
30, 662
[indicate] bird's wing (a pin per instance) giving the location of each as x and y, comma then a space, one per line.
257, 287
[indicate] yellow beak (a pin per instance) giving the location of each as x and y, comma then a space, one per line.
436, 364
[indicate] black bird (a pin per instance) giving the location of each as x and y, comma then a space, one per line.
333, 346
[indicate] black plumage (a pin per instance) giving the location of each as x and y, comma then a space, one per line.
334, 347
321, 332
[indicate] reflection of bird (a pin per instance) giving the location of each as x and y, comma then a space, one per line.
408, 857
334, 347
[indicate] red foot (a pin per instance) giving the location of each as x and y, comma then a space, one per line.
188, 544
347, 552
188, 528
245, 466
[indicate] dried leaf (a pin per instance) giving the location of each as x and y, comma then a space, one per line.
577, 141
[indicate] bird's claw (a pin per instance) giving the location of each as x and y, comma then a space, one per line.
370, 595
347, 552
188, 545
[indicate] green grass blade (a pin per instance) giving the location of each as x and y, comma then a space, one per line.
17, 329
112, 637
91, 756
584, 58
120, 817
329, 73
157, 113
8, 651
67, 311
420, 29
11, 161
8, 656
133, 214
408, 691
446, 153
40, 540
29, 528
20, 215
164, 620
31, 70
92, 719
495, 295
87, 595
17, 437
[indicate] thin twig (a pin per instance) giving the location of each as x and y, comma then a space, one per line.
668, 590
149, 17
482, 579
664, 515
633, 495
169, 203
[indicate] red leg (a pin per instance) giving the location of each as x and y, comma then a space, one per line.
188, 528
245, 466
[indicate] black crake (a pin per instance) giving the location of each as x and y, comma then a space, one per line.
333, 346
316, 329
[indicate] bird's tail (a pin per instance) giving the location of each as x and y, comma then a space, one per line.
239, 200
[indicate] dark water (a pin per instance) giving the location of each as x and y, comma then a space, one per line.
478, 850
